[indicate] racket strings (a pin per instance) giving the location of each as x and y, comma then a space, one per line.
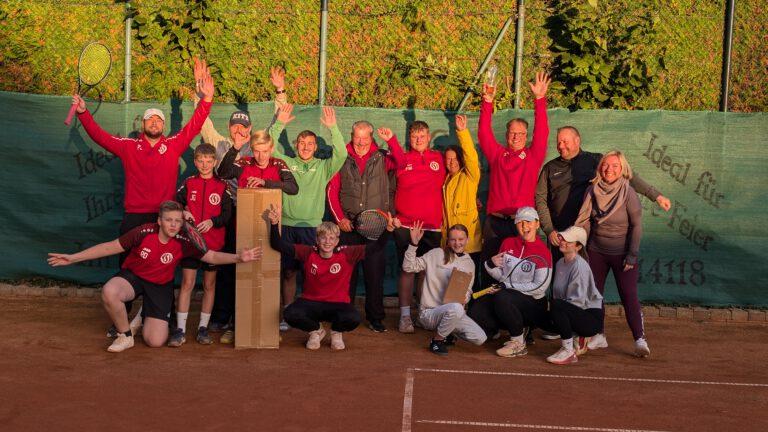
94, 64
370, 224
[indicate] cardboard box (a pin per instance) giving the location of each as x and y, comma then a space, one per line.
458, 285
257, 291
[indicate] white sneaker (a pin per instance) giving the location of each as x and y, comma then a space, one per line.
597, 341
512, 348
549, 335
315, 337
135, 326
284, 327
121, 343
405, 325
641, 348
337, 343
563, 356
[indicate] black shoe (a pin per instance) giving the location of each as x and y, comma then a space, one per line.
438, 347
450, 340
377, 326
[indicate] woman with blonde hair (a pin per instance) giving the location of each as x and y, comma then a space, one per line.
612, 216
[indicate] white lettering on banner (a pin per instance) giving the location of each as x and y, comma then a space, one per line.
166, 258
214, 199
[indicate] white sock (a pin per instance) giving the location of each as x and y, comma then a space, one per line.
405, 311
181, 320
136, 321
567, 344
520, 339
204, 318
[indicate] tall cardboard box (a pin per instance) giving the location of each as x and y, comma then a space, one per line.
257, 291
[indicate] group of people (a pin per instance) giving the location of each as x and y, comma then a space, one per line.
586, 204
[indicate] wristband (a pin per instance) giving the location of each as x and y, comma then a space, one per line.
411, 243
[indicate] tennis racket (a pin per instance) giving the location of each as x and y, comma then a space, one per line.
195, 237
92, 67
371, 223
529, 274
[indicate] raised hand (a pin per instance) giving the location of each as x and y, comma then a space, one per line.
345, 225
277, 76
274, 214
461, 122
77, 100
540, 86
489, 92
248, 255
58, 260
417, 232
205, 87
664, 202
385, 133
329, 117
199, 70
284, 114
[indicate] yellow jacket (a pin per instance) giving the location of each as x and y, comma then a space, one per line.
460, 195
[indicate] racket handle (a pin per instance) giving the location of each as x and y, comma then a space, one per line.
70, 115
477, 295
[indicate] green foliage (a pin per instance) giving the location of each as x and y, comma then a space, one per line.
606, 54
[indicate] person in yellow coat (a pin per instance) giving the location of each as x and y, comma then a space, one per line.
460, 189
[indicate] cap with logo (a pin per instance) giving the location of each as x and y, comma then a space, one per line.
241, 118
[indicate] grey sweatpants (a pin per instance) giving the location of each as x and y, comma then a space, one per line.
451, 318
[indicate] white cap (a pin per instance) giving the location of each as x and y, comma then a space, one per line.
574, 234
526, 214
153, 112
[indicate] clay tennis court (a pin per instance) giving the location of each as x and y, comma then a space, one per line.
56, 375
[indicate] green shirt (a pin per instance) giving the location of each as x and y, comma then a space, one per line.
306, 208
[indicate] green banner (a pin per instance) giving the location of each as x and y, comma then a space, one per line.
61, 192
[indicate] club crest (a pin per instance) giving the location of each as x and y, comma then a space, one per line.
214, 199
166, 258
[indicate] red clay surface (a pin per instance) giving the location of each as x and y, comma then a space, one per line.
57, 376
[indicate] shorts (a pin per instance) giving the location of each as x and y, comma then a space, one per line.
196, 264
158, 298
431, 240
296, 235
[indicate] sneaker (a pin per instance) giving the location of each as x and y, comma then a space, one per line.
217, 327
438, 347
284, 327
112, 332
377, 326
315, 337
512, 348
528, 332
597, 341
450, 340
177, 338
121, 343
581, 345
337, 343
549, 335
203, 337
563, 356
228, 337
406, 325
641, 348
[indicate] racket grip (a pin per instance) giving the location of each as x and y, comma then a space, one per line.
478, 294
71, 114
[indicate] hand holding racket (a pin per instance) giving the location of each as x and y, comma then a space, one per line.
195, 237
372, 223
92, 67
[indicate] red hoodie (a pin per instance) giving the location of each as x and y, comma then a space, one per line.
512, 183
150, 172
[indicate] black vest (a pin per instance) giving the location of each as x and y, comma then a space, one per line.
374, 189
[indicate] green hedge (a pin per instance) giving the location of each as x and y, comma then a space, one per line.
385, 53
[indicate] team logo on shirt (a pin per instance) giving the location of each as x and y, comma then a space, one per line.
214, 199
145, 252
139, 147
409, 167
193, 195
335, 268
166, 258
434, 165
522, 155
526, 267
162, 149
313, 270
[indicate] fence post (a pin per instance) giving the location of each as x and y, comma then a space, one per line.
323, 41
128, 24
519, 49
727, 42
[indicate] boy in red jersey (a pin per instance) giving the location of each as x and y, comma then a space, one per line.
208, 204
154, 252
327, 271
420, 176
261, 170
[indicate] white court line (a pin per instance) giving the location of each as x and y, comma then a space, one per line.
531, 426
595, 378
408, 401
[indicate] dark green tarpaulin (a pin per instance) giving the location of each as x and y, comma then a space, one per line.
61, 192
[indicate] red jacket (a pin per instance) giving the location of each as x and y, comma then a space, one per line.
150, 172
207, 199
512, 183
419, 193
152, 260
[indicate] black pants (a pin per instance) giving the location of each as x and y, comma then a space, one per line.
224, 296
307, 314
570, 319
373, 266
131, 221
508, 310
495, 230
